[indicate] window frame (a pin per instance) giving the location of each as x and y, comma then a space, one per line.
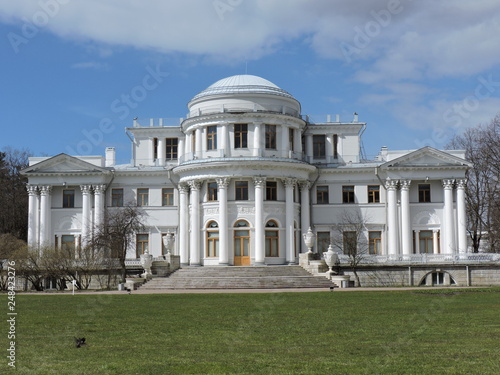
212, 240
271, 191
116, 199
212, 192
212, 137
171, 148
319, 147
375, 243
142, 197
167, 196
68, 199
373, 194
272, 242
424, 195
270, 138
349, 244
240, 136
323, 194
241, 192
348, 195
141, 245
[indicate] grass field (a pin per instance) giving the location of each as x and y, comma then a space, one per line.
379, 332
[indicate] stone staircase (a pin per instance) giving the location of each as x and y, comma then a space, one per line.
233, 277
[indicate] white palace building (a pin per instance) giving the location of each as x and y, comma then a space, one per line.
244, 176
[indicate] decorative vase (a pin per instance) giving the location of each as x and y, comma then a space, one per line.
309, 238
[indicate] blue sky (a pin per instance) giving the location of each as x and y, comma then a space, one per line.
417, 72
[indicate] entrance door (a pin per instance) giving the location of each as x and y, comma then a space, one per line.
241, 247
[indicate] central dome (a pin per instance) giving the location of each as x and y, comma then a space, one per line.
243, 84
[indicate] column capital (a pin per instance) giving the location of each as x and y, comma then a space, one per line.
99, 189
259, 181
45, 190
195, 184
289, 182
404, 184
86, 189
223, 182
304, 185
435, 230
461, 183
183, 187
391, 184
32, 189
448, 184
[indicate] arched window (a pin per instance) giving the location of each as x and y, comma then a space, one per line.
272, 239
241, 243
212, 239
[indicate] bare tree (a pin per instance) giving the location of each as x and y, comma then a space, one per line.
349, 237
114, 237
482, 149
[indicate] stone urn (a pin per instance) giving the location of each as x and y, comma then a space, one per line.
146, 263
331, 258
309, 239
168, 242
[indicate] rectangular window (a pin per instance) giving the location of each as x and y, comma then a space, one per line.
142, 244
241, 190
271, 137
155, 148
350, 243
291, 139
271, 190
374, 242
373, 194
68, 198
240, 135
426, 246
347, 194
116, 197
424, 193
272, 242
212, 191
167, 196
319, 150
335, 146
322, 195
212, 138
323, 239
143, 197
212, 243
171, 148
68, 244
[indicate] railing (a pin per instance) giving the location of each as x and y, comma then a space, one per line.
245, 153
424, 258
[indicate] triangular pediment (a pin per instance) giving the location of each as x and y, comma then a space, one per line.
426, 157
64, 163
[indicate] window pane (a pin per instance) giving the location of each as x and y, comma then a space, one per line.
319, 150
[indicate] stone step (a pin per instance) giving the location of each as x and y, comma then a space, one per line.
219, 277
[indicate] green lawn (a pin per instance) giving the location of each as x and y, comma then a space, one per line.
379, 332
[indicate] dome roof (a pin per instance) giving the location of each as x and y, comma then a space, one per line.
243, 84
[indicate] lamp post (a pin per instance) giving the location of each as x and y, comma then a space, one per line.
309, 238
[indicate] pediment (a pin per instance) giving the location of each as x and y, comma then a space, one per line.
426, 157
62, 164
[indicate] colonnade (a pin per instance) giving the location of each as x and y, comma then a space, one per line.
190, 219
453, 226
40, 208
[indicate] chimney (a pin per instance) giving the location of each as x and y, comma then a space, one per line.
110, 157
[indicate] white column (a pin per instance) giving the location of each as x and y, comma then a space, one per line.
198, 143
45, 215
86, 221
309, 147
305, 221
289, 216
285, 138
461, 217
151, 160
329, 147
189, 143
435, 241
417, 242
222, 184
406, 235
297, 138
257, 139
183, 223
224, 144
449, 247
260, 248
99, 205
32, 214
180, 150
194, 255
392, 217
162, 153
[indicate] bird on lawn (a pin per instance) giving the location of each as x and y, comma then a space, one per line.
80, 342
